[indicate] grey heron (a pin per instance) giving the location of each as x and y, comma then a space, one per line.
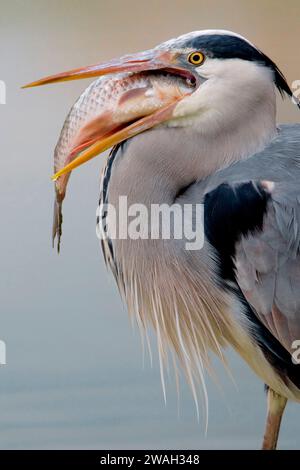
214, 141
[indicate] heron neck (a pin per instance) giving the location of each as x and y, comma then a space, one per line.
154, 166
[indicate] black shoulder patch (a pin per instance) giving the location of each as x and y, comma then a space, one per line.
229, 213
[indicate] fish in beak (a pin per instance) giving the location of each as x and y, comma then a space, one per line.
133, 94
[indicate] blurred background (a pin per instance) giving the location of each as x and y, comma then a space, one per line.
75, 376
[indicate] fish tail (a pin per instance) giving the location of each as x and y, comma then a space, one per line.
57, 221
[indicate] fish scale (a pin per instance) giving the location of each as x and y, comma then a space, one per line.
104, 94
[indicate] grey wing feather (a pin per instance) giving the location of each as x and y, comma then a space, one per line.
268, 263
268, 266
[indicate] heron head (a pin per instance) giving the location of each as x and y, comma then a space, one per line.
235, 78
227, 78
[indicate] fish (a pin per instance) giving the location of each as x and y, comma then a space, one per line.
105, 106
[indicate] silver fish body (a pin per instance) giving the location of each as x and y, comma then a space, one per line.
108, 103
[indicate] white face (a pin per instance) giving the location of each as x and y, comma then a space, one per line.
233, 90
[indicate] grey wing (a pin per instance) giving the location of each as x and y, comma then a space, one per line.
268, 265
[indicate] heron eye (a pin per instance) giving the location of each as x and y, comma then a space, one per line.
196, 58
